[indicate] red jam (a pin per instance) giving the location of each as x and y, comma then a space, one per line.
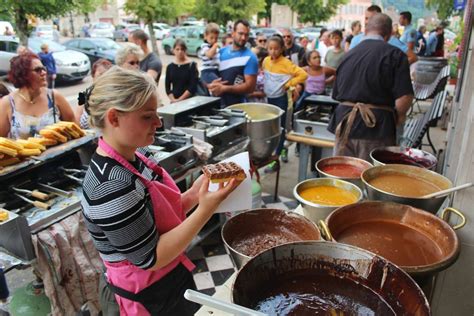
342, 170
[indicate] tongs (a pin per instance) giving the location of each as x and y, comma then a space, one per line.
38, 204
35, 193
212, 120
233, 112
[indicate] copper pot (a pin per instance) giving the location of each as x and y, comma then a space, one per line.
251, 232
342, 273
423, 236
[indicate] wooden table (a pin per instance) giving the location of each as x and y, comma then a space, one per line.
323, 148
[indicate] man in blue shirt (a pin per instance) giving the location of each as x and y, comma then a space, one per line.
48, 61
409, 33
433, 41
238, 68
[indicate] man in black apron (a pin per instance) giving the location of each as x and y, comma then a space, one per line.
374, 87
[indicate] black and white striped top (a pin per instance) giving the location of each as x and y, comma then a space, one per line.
118, 211
208, 63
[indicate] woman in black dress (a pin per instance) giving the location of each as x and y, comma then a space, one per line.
181, 75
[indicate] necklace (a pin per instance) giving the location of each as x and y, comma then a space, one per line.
25, 99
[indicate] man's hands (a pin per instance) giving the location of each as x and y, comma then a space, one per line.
217, 87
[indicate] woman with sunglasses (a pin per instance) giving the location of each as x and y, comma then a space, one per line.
129, 57
24, 112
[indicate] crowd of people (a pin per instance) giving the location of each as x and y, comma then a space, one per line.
135, 213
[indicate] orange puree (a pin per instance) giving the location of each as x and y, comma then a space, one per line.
328, 195
403, 185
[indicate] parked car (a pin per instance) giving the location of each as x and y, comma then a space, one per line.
123, 30
94, 48
102, 29
193, 36
70, 65
160, 29
268, 31
312, 32
46, 32
3, 27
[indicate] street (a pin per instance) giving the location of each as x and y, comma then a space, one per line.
71, 90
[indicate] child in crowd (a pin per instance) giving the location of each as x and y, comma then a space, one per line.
209, 54
280, 76
335, 54
316, 81
259, 95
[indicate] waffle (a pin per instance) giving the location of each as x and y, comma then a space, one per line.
223, 172
30, 144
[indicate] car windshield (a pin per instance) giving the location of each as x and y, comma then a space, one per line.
165, 26
45, 28
35, 45
102, 26
133, 27
106, 44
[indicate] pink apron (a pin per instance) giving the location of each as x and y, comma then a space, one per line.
168, 213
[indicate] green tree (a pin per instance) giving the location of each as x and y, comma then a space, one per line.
150, 11
221, 11
41, 9
315, 11
444, 8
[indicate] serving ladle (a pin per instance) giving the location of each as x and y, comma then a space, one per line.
227, 307
447, 191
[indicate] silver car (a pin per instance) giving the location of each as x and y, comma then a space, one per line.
70, 65
102, 29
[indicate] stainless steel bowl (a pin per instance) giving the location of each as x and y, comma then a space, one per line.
431, 205
429, 161
262, 225
316, 212
356, 162
263, 128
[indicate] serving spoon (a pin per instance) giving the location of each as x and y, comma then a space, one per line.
227, 307
447, 191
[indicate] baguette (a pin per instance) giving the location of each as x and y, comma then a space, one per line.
49, 133
8, 151
29, 152
223, 172
31, 145
10, 143
9, 161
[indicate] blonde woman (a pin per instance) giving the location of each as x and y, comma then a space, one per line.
129, 56
134, 210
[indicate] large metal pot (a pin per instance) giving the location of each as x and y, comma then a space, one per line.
343, 160
412, 235
316, 212
395, 154
263, 127
260, 229
343, 272
431, 205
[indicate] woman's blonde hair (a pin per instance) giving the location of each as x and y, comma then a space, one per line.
121, 89
128, 49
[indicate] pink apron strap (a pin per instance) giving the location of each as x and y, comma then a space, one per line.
124, 162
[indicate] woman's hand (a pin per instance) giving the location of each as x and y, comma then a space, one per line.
209, 201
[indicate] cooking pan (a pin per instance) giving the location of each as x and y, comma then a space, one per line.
251, 232
343, 160
418, 242
347, 279
431, 205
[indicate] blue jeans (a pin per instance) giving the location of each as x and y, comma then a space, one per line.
282, 103
299, 103
209, 75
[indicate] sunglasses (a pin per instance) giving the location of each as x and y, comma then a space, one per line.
262, 41
39, 69
133, 63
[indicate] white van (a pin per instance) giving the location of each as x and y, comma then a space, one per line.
3, 27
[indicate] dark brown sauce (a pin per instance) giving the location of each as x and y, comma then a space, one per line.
309, 292
258, 242
401, 244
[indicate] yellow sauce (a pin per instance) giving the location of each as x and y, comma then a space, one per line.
403, 185
255, 113
328, 195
